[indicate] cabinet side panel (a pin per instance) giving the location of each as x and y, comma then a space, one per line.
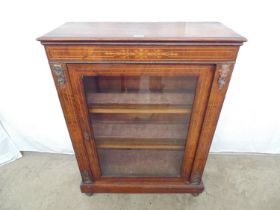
66, 98
215, 102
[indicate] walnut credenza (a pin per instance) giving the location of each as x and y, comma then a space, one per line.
141, 100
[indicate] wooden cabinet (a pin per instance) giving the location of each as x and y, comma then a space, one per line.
141, 100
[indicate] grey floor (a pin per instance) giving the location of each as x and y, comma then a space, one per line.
51, 181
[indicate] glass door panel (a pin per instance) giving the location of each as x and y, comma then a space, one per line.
140, 123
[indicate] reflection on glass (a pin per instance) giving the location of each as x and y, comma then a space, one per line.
140, 123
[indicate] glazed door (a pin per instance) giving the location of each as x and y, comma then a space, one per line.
140, 120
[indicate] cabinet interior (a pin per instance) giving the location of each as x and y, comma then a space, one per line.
140, 123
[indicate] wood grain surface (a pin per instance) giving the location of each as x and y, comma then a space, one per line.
145, 31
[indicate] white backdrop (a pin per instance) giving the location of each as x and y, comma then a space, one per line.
29, 106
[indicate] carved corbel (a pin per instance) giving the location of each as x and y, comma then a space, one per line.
224, 70
59, 73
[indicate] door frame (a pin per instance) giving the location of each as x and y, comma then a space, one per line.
205, 74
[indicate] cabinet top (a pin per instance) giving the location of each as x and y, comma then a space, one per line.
143, 31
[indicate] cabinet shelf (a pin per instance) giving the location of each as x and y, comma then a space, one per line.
145, 109
141, 131
185, 98
139, 118
140, 143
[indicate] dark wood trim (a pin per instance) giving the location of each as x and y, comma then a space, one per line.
163, 43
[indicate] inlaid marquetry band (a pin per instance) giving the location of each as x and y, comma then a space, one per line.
143, 53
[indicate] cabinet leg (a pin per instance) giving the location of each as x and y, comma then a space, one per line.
195, 194
89, 194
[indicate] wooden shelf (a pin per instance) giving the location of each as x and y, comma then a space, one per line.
185, 98
141, 131
140, 143
140, 118
126, 109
